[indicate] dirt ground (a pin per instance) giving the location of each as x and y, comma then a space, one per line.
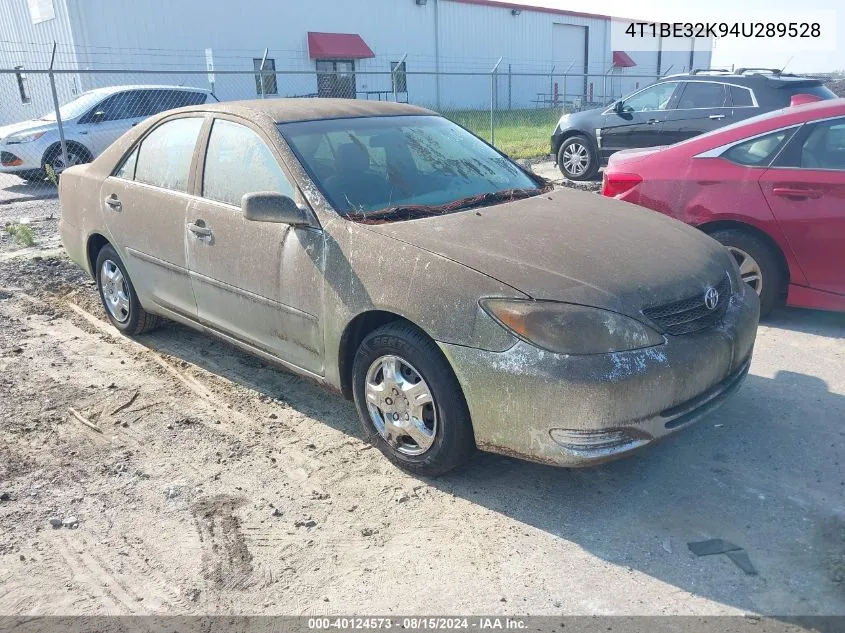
191, 478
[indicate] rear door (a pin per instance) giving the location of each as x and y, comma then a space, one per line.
805, 189
640, 120
145, 203
257, 282
701, 106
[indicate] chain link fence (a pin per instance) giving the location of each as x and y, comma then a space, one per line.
53, 118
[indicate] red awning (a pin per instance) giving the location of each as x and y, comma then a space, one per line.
337, 46
621, 59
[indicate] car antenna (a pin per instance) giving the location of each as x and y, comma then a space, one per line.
786, 64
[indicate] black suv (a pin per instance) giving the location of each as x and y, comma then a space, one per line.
675, 108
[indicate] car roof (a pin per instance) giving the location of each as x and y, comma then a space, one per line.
287, 110
109, 90
748, 78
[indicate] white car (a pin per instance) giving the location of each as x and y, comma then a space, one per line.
91, 123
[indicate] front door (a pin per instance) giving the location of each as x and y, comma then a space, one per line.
107, 121
257, 282
145, 203
806, 192
638, 120
702, 106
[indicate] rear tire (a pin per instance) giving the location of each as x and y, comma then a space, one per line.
442, 439
759, 265
118, 295
577, 159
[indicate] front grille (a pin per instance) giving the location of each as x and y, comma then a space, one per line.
691, 314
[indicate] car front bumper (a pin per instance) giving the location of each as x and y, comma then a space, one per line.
583, 410
18, 157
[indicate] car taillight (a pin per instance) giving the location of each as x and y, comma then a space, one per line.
614, 185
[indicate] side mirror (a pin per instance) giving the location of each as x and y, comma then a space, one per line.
269, 206
619, 106
98, 116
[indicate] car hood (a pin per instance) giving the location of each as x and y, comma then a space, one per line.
577, 247
31, 125
584, 120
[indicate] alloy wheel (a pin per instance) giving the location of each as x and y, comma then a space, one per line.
401, 405
576, 159
749, 269
115, 291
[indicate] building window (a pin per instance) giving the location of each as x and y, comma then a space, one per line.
41, 10
23, 85
336, 78
267, 79
399, 79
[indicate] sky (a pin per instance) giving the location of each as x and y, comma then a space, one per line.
798, 56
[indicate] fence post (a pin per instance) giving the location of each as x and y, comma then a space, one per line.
493, 102
510, 88
393, 77
261, 71
56, 106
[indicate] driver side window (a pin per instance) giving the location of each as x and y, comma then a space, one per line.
656, 97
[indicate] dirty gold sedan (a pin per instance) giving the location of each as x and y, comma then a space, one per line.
391, 255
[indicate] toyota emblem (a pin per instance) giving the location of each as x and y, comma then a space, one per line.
711, 298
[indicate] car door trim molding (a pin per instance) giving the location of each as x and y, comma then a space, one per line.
150, 259
252, 296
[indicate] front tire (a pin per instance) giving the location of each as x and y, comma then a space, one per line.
576, 158
76, 155
118, 295
409, 402
758, 265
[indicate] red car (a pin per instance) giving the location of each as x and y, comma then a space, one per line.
771, 189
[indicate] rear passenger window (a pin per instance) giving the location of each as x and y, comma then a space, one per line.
238, 162
741, 97
702, 94
127, 169
164, 158
758, 151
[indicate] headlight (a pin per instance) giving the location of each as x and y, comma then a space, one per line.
563, 123
26, 137
566, 328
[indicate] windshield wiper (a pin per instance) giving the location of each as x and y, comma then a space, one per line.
410, 211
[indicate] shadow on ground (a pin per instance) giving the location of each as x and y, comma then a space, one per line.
13, 189
830, 324
765, 472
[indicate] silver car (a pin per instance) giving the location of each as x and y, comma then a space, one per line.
91, 123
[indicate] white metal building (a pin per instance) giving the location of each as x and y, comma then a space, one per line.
547, 56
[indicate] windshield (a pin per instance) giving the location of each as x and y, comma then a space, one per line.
77, 107
368, 166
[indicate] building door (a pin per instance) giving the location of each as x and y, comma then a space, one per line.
569, 50
336, 78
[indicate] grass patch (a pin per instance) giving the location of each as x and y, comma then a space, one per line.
21, 234
519, 133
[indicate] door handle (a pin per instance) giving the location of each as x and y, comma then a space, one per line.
797, 194
653, 121
199, 229
114, 202
716, 117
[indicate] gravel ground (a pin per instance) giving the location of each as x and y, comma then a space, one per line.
186, 477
